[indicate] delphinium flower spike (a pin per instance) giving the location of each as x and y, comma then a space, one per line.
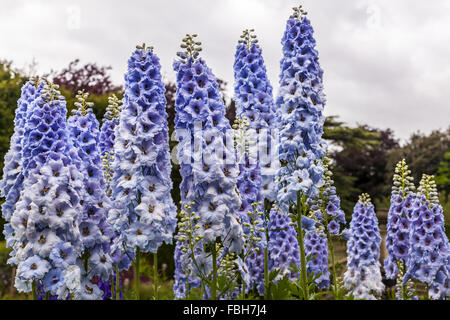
300, 104
206, 155
330, 219
398, 229
282, 244
251, 262
106, 144
257, 164
185, 273
46, 220
429, 251
254, 102
363, 276
95, 231
144, 213
11, 184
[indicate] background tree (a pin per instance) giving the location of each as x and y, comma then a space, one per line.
94, 79
443, 176
423, 153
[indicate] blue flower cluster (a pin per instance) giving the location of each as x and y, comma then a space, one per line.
398, 226
45, 225
316, 248
95, 231
144, 213
300, 105
326, 209
109, 124
207, 164
363, 276
183, 282
11, 184
429, 251
254, 102
283, 245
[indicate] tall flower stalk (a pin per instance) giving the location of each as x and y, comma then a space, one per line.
144, 213
326, 211
300, 105
95, 231
429, 251
107, 139
363, 276
398, 230
47, 242
207, 163
257, 163
11, 184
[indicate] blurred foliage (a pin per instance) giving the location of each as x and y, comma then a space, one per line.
443, 176
423, 153
361, 163
89, 77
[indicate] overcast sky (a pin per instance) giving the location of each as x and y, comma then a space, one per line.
386, 63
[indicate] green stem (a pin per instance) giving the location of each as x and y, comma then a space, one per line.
117, 283
304, 277
155, 275
34, 290
111, 284
214, 281
267, 207
136, 274
333, 264
266, 274
243, 290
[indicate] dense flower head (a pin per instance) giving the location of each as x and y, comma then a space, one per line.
363, 276
254, 102
44, 227
109, 123
252, 270
300, 104
144, 213
326, 208
12, 182
207, 162
95, 231
283, 245
316, 249
429, 251
399, 226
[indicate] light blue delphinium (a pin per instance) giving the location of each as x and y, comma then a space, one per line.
95, 232
326, 211
282, 245
257, 153
254, 102
300, 104
109, 123
45, 223
144, 214
107, 138
363, 276
11, 184
429, 251
206, 155
300, 118
316, 248
398, 229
